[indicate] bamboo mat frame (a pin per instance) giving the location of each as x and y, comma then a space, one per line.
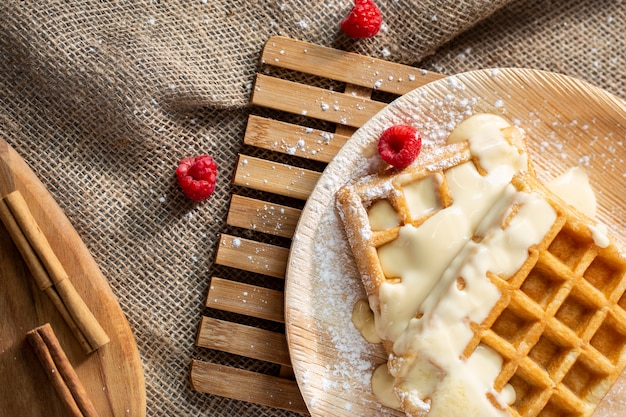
347, 110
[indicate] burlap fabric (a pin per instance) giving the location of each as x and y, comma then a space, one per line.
103, 98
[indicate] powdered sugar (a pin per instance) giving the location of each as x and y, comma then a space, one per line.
333, 363
338, 283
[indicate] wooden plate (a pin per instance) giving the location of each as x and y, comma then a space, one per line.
113, 375
568, 123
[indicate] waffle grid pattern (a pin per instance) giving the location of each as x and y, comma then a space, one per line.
560, 324
355, 200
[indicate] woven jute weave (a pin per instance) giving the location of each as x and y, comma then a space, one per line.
103, 99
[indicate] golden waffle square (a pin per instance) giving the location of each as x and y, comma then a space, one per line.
559, 322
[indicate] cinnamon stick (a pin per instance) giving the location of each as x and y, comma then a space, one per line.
28, 254
49, 273
60, 372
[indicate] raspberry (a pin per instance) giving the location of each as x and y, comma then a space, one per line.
196, 176
363, 21
399, 145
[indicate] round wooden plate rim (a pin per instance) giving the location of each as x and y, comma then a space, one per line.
605, 114
112, 375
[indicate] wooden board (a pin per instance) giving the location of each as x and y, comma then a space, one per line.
267, 390
568, 123
112, 375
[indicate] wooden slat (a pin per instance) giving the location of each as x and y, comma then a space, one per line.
319, 103
252, 256
273, 177
247, 386
344, 66
246, 299
356, 91
243, 340
293, 139
261, 216
348, 110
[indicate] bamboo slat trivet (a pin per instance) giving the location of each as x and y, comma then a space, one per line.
345, 110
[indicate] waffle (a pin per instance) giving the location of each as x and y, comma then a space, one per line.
554, 327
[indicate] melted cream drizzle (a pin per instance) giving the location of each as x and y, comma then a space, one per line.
363, 320
382, 216
573, 187
429, 259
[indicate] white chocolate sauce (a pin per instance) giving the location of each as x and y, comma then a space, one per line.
421, 196
363, 320
573, 187
599, 234
426, 313
382, 385
382, 216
